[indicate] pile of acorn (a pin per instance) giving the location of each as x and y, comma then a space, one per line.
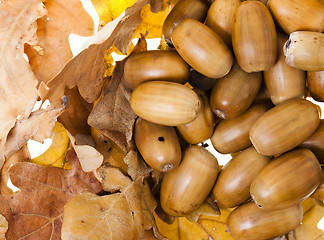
224, 51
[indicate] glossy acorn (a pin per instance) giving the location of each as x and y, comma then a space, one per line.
295, 15
315, 83
249, 222
165, 103
287, 180
158, 145
202, 127
202, 48
305, 50
254, 37
155, 65
283, 81
199, 81
233, 94
315, 143
232, 135
196, 9
319, 192
220, 18
185, 188
232, 187
284, 127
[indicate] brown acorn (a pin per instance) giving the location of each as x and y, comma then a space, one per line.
202, 127
233, 94
287, 180
304, 50
284, 127
196, 9
165, 103
315, 143
232, 135
296, 15
319, 192
254, 37
220, 18
185, 188
315, 82
158, 145
155, 65
249, 222
199, 81
283, 81
202, 48
232, 187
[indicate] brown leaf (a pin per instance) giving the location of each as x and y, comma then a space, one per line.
17, 82
36, 212
87, 69
3, 227
38, 126
53, 49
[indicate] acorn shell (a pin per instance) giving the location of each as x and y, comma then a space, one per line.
283, 81
185, 188
158, 145
165, 103
232, 187
295, 15
232, 135
315, 82
202, 48
233, 94
249, 222
287, 180
284, 127
155, 65
319, 192
254, 37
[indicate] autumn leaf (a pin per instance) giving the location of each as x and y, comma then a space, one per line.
17, 82
55, 156
36, 212
53, 50
3, 227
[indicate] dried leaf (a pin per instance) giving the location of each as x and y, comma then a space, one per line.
36, 212
55, 156
20, 156
3, 227
17, 83
38, 126
87, 69
53, 49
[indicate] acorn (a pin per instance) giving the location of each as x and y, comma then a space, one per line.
315, 142
185, 188
183, 9
165, 103
315, 82
158, 145
283, 81
232, 187
319, 192
202, 127
220, 18
254, 37
249, 222
287, 180
202, 48
199, 81
155, 65
305, 50
284, 127
233, 94
296, 15
232, 135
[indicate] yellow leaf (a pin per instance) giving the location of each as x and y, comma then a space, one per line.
308, 230
55, 155
108, 10
209, 224
153, 22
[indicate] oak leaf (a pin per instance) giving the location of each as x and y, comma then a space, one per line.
36, 212
18, 92
53, 50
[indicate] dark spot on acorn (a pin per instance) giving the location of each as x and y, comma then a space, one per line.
161, 139
288, 44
